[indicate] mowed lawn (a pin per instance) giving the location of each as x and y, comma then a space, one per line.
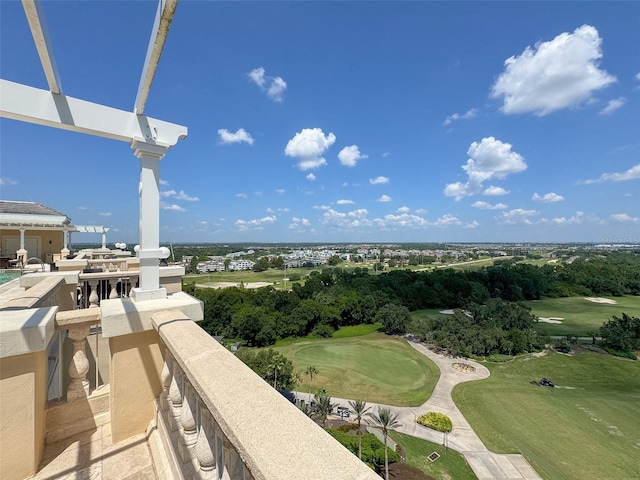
375, 368
587, 427
579, 315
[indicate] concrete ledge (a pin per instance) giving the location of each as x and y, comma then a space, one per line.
31, 279
274, 439
123, 316
26, 330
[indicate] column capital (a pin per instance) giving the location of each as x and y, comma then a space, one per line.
144, 149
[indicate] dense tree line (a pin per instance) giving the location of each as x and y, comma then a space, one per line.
621, 334
335, 297
496, 327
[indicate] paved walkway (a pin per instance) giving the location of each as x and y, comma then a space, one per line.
486, 465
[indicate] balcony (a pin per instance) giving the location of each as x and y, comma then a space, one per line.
149, 395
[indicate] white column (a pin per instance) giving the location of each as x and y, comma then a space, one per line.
22, 253
65, 244
149, 190
104, 239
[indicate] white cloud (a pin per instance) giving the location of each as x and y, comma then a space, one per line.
308, 146
239, 136
421, 211
171, 207
495, 191
489, 159
378, 180
447, 220
168, 193
183, 196
488, 206
280, 191
82, 208
274, 86
322, 207
632, 174
350, 155
553, 75
637, 77
547, 198
517, 216
4, 181
164, 183
386, 154
311, 177
301, 225
403, 210
256, 224
624, 217
613, 105
384, 198
105, 214
354, 219
241, 195
404, 220
345, 202
469, 114
178, 195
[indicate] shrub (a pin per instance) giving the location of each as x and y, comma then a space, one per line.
347, 427
372, 448
436, 421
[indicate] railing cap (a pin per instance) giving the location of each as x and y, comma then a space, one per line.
26, 330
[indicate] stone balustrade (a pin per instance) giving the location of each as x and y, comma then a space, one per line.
217, 419
109, 264
78, 323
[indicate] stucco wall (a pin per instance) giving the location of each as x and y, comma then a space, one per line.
134, 377
23, 397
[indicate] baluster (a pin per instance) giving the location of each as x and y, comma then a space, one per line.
205, 445
94, 299
165, 377
189, 432
79, 366
175, 398
114, 288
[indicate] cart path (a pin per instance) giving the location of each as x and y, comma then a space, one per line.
485, 464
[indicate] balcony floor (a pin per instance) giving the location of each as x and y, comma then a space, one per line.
92, 456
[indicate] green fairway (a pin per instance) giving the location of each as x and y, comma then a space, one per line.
586, 427
451, 464
579, 315
375, 368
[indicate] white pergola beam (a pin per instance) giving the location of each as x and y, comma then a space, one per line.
161, 24
34, 105
38, 27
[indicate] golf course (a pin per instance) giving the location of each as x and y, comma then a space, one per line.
585, 427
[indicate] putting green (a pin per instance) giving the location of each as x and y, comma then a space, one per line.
375, 368
586, 427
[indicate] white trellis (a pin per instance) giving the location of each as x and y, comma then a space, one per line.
149, 138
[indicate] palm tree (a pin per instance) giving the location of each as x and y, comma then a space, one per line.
275, 365
323, 406
359, 408
311, 371
385, 420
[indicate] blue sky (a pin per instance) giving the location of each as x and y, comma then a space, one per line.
346, 121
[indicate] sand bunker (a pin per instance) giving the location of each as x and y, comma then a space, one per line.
463, 367
550, 319
601, 300
446, 312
